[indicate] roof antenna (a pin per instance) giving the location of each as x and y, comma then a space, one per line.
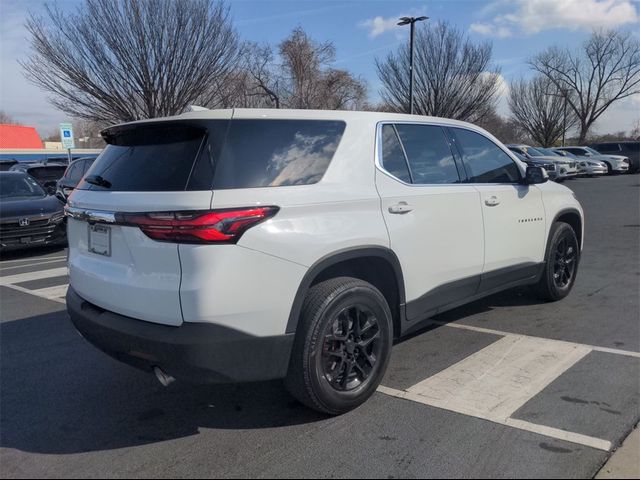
196, 108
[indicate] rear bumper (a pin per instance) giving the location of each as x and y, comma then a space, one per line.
197, 352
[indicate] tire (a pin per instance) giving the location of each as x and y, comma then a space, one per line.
561, 263
609, 169
322, 354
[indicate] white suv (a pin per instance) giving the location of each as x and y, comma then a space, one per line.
245, 245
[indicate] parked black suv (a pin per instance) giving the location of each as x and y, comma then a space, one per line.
46, 174
72, 176
629, 149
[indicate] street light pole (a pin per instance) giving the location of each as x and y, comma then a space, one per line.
564, 118
411, 21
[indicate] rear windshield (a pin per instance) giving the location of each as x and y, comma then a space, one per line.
47, 173
215, 154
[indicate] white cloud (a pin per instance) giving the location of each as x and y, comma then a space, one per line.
533, 16
491, 30
380, 25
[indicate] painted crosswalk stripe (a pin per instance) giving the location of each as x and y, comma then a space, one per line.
493, 383
39, 275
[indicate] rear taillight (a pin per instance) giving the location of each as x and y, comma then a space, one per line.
222, 226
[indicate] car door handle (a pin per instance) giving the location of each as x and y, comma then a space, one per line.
492, 201
400, 208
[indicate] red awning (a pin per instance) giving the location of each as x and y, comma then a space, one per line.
18, 136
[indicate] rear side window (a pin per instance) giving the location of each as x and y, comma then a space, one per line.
428, 153
633, 147
75, 172
608, 147
484, 161
273, 153
393, 159
216, 154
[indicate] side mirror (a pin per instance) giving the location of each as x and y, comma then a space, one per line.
535, 175
51, 189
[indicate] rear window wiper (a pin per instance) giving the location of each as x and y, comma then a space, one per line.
98, 180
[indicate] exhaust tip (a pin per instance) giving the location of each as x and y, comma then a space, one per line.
164, 378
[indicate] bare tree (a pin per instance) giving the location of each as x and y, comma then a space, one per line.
120, 60
634, 134
265, 76
301, 76
605, 70
7, 119
538, 107
504, 129
453, 76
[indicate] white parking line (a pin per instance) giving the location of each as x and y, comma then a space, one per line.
57, 292
31, 259
493, 383
615, 351
4, 269
39, 275
497, 380
32, 292
551, 432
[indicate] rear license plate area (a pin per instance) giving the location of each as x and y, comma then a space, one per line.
100, 240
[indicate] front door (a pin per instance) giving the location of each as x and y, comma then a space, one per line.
514, 216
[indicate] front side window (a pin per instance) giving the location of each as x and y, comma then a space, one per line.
577, 151
485, 162
428, 153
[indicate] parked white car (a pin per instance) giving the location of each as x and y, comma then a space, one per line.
614, 163
564, 168
244, 245
586, 166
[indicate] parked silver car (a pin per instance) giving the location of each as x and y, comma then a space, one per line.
587, 167
615, 163
564, 168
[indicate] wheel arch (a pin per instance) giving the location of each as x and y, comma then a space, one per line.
572, 217
374, 264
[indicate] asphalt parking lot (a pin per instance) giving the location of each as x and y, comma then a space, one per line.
451, 405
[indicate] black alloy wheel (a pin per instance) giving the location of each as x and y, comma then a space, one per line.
351, 349
342, 345
561, 263
564, 265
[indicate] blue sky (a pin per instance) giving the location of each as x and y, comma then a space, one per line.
362, 30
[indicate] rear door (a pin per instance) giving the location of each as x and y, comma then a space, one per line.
433, 218
514, 217
146, 168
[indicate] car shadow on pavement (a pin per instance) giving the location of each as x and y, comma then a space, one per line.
515, 297
59, 395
